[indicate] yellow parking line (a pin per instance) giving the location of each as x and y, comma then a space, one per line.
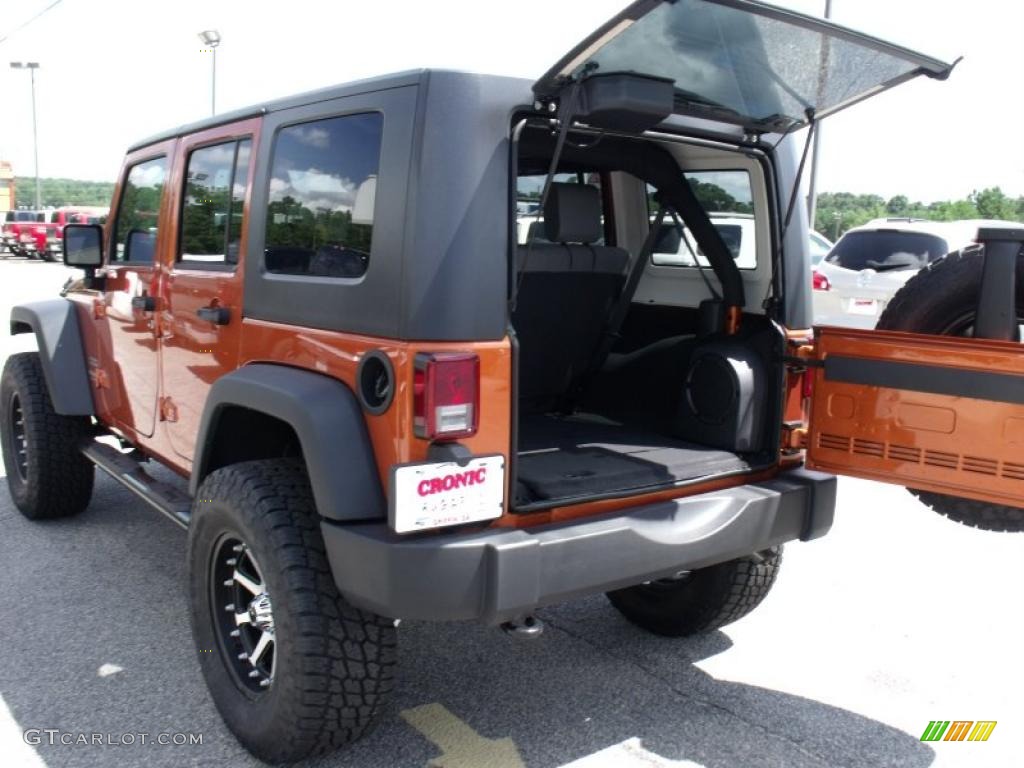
460, 745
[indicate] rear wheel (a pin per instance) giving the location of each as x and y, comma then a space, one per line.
294, 670
941, 300
46, 472
701, 600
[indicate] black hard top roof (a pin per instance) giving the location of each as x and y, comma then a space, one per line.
367, 85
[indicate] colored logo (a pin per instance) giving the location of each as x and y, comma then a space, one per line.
958, 730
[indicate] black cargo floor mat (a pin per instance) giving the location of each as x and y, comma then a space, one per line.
568, 458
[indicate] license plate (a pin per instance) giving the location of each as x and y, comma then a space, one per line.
436, 494
863, 306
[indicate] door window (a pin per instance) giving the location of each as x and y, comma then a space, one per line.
323, 184
135, 228
728, 199
211, 214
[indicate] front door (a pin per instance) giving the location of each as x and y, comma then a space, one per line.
201, 321
933, 413
126, 315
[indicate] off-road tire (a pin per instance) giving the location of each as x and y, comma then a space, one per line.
941, 299
53, 479
334, 664
701, 600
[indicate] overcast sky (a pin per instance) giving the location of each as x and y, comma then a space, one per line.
114, 71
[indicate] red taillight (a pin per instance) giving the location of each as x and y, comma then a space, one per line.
446, 395
821, 282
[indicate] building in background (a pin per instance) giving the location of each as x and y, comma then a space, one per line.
7, 201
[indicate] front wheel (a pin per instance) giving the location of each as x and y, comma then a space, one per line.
942, 300
47, 474
700, 600
294, 670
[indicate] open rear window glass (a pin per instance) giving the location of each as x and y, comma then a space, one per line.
745, 62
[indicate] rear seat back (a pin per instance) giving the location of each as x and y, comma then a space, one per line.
566, 291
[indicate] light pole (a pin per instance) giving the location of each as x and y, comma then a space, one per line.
211, 39
32, 66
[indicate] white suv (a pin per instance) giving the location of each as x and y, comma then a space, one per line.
870, 263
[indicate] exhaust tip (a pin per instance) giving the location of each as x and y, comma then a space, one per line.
524, 628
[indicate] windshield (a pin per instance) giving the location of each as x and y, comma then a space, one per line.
744, 62
886, 250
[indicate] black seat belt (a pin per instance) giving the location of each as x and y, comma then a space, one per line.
617, 315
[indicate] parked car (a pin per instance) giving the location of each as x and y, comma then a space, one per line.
48, 236
870, 263
819, 246
18, 238
679, 248
385, 408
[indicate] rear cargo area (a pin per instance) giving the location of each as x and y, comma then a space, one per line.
585, 455
623, 389
665, 410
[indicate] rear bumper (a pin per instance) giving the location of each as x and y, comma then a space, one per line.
498, 574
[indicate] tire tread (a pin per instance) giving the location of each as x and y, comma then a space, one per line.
61, 480
346, 656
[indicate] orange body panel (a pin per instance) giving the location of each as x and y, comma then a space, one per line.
337, 354
956, 444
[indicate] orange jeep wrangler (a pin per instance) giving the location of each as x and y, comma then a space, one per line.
382, 406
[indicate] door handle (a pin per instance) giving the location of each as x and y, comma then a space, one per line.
144, 303
215, 315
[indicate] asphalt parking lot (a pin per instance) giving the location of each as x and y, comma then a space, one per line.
897, 618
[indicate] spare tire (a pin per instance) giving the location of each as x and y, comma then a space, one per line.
941, 300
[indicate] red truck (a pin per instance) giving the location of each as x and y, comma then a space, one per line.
43, 236
17, 234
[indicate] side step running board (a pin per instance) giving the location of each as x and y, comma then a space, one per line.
163, 496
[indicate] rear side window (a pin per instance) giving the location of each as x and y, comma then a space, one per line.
135, 228
211, 214
886, 250
728, 199
323, 184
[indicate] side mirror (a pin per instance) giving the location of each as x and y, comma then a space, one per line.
83, 246
139, 246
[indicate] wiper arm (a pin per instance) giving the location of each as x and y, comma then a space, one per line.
886, 266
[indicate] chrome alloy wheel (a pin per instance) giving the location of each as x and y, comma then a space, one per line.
244, 615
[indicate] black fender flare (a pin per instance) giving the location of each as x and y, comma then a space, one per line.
328, 422
55, 324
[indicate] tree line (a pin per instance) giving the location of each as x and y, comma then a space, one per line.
836, 211
57, 192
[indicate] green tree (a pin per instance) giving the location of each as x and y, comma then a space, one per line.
898, 205
992, 203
